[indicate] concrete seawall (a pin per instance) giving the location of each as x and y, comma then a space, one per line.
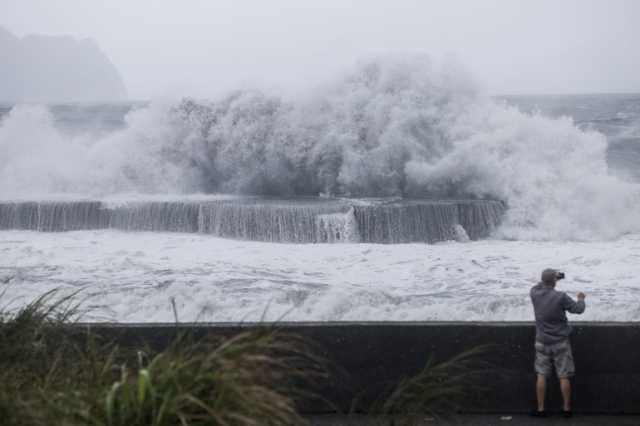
301, 220
607, 358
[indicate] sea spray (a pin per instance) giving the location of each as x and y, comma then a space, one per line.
395, 126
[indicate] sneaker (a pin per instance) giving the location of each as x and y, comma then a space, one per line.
567, 414
536, 413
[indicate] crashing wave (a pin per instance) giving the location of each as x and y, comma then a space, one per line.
395, 126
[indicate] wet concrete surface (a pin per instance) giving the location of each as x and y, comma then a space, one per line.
475, 420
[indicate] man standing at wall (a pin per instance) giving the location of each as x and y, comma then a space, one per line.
552, 337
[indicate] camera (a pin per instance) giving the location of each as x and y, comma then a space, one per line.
559, 275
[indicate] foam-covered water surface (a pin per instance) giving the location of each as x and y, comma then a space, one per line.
132, 277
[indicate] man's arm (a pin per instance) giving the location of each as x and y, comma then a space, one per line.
571, 305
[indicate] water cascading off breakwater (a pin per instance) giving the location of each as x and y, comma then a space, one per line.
295, 221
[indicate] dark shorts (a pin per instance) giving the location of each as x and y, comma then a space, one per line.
557, 354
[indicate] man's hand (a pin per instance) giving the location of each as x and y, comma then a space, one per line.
581, 296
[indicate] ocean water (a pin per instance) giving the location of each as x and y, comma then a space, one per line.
132, 277
446, 203
617, 116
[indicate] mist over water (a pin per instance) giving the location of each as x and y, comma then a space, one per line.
395, 126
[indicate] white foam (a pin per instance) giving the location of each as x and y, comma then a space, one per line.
132, 277
339, 227
394, 126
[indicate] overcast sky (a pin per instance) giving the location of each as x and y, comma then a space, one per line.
204, 47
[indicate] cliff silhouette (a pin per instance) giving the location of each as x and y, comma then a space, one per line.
39, 68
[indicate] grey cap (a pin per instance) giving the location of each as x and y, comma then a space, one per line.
549, 276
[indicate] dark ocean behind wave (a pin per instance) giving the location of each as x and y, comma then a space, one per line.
617, 116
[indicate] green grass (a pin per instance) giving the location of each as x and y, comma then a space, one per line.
439, 387
52, 373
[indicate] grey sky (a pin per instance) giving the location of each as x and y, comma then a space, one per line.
201, 48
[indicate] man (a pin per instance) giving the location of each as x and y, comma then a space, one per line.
552, 337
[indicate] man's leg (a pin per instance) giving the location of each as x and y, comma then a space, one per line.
563, 360
542, 367
541, 388
565, 387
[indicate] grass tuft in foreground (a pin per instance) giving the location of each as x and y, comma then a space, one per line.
54, 374
439, 389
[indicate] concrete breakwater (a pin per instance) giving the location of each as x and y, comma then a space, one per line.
295, 221
373, 355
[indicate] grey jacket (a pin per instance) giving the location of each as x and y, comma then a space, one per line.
549, 306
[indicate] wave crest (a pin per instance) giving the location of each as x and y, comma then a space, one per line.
395, 126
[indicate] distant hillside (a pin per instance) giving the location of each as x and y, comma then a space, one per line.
40, 68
